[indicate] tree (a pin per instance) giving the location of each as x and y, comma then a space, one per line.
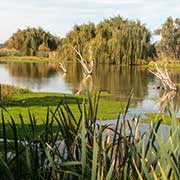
114, 40
29, 41
170, 38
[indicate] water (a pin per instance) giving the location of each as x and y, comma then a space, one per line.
37, 77
163, 130
114, 79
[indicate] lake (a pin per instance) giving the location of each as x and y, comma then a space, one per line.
113, 79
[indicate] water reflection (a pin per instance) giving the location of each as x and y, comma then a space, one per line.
163, 101
120, 80
117, 80
86, 83
38, 77
32, 70
114, 79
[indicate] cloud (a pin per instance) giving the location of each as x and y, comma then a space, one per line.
58, 16
113, 2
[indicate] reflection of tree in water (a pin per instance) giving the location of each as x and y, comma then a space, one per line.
169, 88
32, 70
166, 98
86, 83
74, 75
118, 80
76, 78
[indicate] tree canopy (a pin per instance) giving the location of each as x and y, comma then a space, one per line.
169, 44
31, 40
113, 40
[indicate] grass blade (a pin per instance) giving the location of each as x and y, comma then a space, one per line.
109, 175
6, 169
94, 162
4, 137
83, 145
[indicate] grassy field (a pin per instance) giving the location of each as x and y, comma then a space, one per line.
20, 101
27, 59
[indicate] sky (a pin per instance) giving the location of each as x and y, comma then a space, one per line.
59, 16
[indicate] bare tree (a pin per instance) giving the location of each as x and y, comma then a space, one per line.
168, 96
163, 75
87, 69
86, 65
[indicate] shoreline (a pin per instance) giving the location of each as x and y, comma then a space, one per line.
35, 59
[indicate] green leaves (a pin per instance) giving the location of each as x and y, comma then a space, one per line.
94, 160
5, 171
114, 41
170, 41
32, 41
83, 148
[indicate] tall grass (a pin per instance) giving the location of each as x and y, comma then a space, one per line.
84, 148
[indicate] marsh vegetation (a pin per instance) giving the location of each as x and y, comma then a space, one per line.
82, 148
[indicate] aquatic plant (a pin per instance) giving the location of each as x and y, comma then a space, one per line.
84, 148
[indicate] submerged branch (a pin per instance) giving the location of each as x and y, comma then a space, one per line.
63, 67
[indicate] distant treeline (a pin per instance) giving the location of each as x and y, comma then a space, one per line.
32, 41
114, 40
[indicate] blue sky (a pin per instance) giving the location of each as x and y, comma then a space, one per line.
59, 16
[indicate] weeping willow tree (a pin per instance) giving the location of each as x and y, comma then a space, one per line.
113, 40
80, 38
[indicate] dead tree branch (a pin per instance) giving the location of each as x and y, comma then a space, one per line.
163, 75
87, 66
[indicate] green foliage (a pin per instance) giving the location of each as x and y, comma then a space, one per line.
18, 100
78, 37
113, 40
31, 40
81, 147
169, 45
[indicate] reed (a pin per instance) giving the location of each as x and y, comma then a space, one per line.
83, 148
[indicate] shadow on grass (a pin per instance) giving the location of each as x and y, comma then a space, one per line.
42, 101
